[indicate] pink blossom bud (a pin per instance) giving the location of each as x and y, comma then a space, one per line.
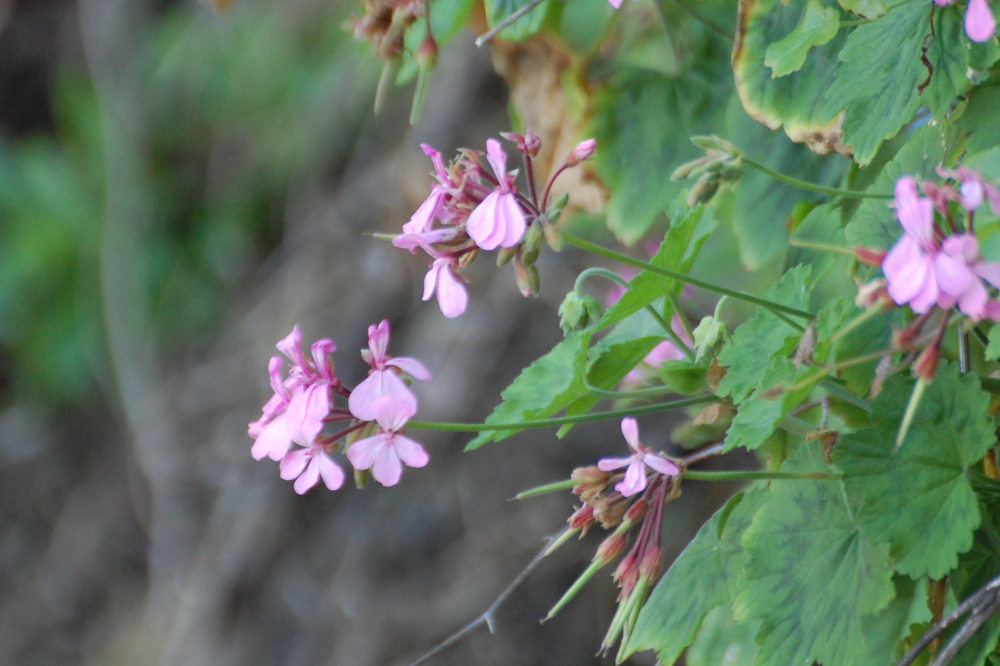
926, 364
611, 548
583, 150
869, 256
637, 511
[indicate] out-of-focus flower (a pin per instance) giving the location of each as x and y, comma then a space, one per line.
383, 382
909, 265
641, 458
300, 402
307, 466
979, 22
445, 282
498, 220
386, 452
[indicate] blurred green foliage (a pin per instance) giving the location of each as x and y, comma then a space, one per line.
233, 108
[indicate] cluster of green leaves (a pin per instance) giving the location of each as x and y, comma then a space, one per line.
834, 571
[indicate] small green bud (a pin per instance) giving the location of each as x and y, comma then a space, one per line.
528, 281
577, 312
556, 208
715, 143
709, 333
504, 255
703, 190
531, 244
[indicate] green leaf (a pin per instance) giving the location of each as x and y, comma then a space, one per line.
689, 228
813, 577
876, 84
722, 641
542, 389
992, 352
684, 377
865, 8
639, 149
818, 25
884, 631
795, 101
874, 224
760, 414
752, 346
948, 54
704, 576
524, 27
921, 494
871, 336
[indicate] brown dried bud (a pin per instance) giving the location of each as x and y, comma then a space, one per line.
609, 511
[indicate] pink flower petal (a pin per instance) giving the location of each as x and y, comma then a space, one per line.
308, 479
661, 464
362, 453
610, 464
293, 464
634, 481
273, 441
989, 270
979, 22
483, 225
451, 294
412, 367
378, 343
630, 430
306, 411
512, 220
498, 160
410, 452
973, 301
387, 469
380, 384
954, 276
329, 471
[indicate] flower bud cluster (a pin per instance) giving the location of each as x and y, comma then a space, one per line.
471, 209
290, 429
721, 164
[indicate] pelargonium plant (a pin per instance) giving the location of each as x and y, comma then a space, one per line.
822, 300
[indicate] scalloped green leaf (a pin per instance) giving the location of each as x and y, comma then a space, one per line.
818, 25
761, 413
704, 576
869, 9
752, 346
921, 494
795, 101
813, 576
876, 86
948, 53
542, 389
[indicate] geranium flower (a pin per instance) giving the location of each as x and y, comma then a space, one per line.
307, 466
442, 280
498, 220
635, 476
909, 266
382, 381
386, 452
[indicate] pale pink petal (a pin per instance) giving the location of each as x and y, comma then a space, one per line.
993, 310
392, 415
378, 342
291, 346
410, 452
615, 3
972, 194
379, 385
989, 270
609, 464
943, 3
423, 218
329, 471
954, 276
660, 464
425, 240
916, 214
273, 441
910, 275
483, 225
451, 294
634, 481
979, 22
308, 479
511, 220
411, 366
293, 463
435, 156
387, 469
498, 160
630, 430
973, 301
306, 411
362, 452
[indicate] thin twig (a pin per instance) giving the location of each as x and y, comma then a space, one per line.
513, 18
487, 616
982, 604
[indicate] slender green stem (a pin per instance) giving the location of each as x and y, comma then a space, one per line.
750, 475
547, 488
838, 391
563, 420
685, 324
618, 279
821, 247
587, 246
858, 320
811, 187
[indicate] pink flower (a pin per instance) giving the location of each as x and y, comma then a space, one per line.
383, 382
974, 189
615, 3
307, 466
451, 293
635, 476
386, 452
909, 266
979, 22
300, 403
959, 269
498, 220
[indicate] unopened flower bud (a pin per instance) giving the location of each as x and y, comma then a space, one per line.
591, 484
707, 334
703, 190
582, 519
608, 511
531, 244
611, 548
577, 312
732, 171
637, 511
869, 256
926, 364
427, 52
583, 150
688, 169
467, 258
504, 255
712, 142
649, 563
528, 281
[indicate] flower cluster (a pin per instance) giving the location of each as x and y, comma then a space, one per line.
303, 403
927, 268
470, 209
979, 22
